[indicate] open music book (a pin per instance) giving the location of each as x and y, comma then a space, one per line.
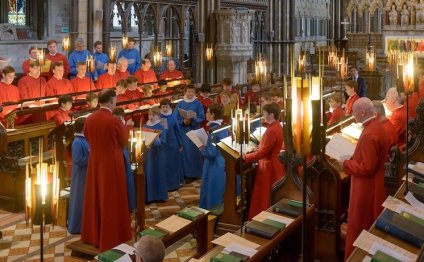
354, 130
188, 114
339, 146
199, 137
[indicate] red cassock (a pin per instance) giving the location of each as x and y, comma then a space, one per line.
337, 114
121, 75
366, 170
270, 169
25, 66
349, 103
82, 84
61, 116
168, 75
251, 96
58, 87
131, 95
8, 93
413, 101
145, 76
398, 119
58, 57
30, 87
390, 131
106, 218
106, 81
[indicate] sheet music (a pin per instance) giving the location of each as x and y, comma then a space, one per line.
236, 147
339, 146
199, 137
125, 248
353, 130
371, 243
229, 238
244, 250
414, 202
398, 206
267, 215
173, 223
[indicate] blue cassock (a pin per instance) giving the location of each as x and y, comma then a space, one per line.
173, 164
130, 180
101, 61
80, 152
154, 169
192, 158
133, 57
213, 175
80, 56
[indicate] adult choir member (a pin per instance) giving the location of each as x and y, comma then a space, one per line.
58, 85
361, 89
54, 56
171, 72
132, 55
192, 158
366, 171
269, 169
107, 80
100, 58
121, 69
145, 74
351, 88
106, 218
80, 54
172, 148
213, 174
398, 116
388, 127
80, 151
32, 58
32, 85
8, 92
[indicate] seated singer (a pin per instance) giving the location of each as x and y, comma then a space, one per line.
270, 169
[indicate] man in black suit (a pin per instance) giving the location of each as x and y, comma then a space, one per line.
362, 88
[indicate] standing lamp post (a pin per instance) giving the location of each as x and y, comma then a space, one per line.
89, 61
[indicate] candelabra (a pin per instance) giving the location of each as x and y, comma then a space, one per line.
157, 55
370, 55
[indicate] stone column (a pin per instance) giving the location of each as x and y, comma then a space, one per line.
233, 47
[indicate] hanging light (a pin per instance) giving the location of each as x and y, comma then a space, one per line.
301, 61
209, 52
370, 55
260, 68
40, 57
124, 40
168, 48
112, 54
65, 43
157, 55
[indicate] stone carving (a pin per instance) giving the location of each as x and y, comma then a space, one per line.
404, 21
420, 13
393, 16
8, 32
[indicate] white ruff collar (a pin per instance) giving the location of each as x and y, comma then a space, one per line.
189, 100
167, 113
149, 123
218, 121
79, 134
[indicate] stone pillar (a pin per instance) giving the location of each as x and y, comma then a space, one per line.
233, 47
82, 20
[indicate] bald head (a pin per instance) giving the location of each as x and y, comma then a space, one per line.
379, 110
150, 249
363, 109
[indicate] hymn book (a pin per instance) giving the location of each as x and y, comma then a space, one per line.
199, 137
173, 223
354, 130
187, 114
148, 135
339, 146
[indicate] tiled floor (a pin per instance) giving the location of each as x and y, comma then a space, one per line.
26, 240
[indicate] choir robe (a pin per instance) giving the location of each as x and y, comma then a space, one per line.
413, 101
390, 131
61, 116
58, 87
80, 56
130, 180
101, 62
421, 91
168, 75
206, 102
106, 218
82, 84
270, 169
106, 81
336, 115
133, 57
253, 97
58, 57
349, 103
121, 75
192, 158
131, 95
213, 174
154, 168
173, 164
30, 87
398, 119
366, 171
145, 76
80, 152
8, 93
25, 66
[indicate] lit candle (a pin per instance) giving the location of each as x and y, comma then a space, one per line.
112, 54
65, 43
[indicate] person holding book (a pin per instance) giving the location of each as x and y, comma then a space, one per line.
106, 218
8, 92
154, 169
62, 114
366, 170
100, 58
132, 55
79, 153
80, 54
192, 158
350, 87
270, 168
172, 148
54, 56
213, 174
227, 85
146, 75
149, 249
120, 114
32, 58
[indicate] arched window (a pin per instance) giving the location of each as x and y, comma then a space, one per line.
17, 12
116, 18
